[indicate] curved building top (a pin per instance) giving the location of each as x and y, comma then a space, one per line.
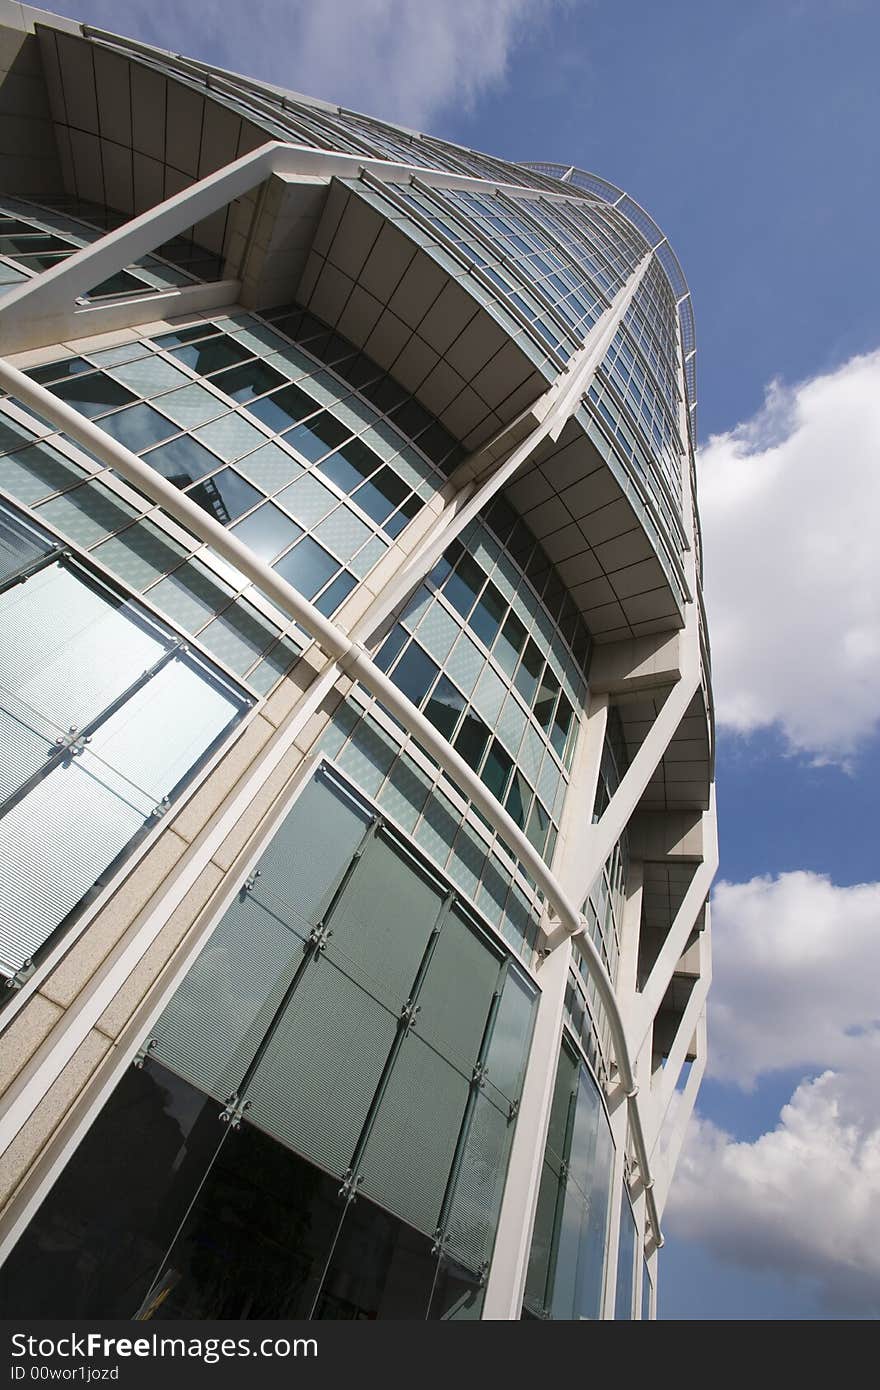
477, 287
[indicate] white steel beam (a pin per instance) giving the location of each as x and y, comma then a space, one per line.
54, 292
663, 969
672, 1136
507, 1274
611, 825
666, 1079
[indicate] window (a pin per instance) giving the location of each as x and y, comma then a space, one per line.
370, 1034
103, 717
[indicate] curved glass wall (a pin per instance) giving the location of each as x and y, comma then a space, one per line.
34, 237
365, 1038
315, 476
566, 1274
105, 716
625, 1287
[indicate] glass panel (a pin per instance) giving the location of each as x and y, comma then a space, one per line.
488, 613
267, 531
626, 1262
380, 1268
326, 1055
182, 461
350, 465
165, 728
414, 673
457, 992
256, 1240
138, 428
19, 545
307, 567
472, 739
379, 496
231, 436
546, 701
213, 1025
58, 632
149, 375
510, 643
308, 500
55, 844
191, 406
561, 725
464, 584
270, 467
241, 384
529, 671
444, 707
283, 409
95, 1244
316, 438
225, 496
497, 770
328, 602
92, 395
458, 1293
208, 355
412, 1142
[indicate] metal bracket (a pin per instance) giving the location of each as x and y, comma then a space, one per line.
408, 1016
22, 975
73, 741
350, 1184
250, 883
160, 808
319, 936
512, 1110
143, 1053
234, 1112
439, 1245
479, 1074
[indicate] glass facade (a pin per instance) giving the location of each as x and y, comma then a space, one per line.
354, 1023
105, 715
569, 1244
334, 1042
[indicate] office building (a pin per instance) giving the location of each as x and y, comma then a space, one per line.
357, 820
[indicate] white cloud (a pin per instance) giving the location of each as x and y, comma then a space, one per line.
796, 960
405, 60
796, 964
801, 1201
789, 502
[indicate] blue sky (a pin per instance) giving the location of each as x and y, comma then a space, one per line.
749, 131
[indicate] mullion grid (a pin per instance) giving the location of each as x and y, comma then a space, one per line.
621, 423
143, 349
517, 917
76, 239
286, 639
587, 234
656, 422
461, 217
568, 306
425, 207
534, 810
